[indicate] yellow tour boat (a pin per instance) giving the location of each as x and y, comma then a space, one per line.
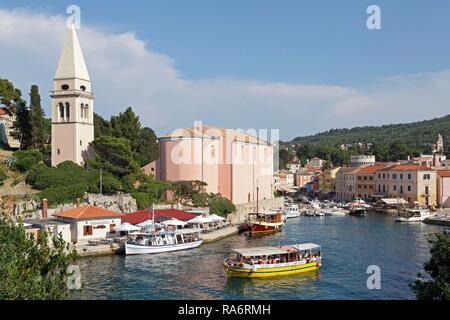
262, 262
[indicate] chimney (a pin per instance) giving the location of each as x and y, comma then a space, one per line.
44, 208
78, 202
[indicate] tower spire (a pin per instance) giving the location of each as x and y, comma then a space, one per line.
71, 62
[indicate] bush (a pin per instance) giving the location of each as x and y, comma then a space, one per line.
221, 206
24, 160
143, 199
3, 177
59, 195
110, 184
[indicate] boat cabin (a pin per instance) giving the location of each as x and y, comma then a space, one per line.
165, 238
304, 253
270, 217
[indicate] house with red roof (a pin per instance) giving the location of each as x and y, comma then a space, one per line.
90, 222
414, 183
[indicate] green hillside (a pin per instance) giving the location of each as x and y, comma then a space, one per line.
416, 134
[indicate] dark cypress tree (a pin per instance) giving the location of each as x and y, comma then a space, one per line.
38, 125
22, 127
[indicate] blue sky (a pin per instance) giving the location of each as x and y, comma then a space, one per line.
322, 44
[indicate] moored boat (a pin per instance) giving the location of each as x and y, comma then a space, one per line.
414, 215
144, 243
292, 211
267, 222
262, 262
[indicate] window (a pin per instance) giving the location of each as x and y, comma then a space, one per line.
87, 230
409, 176
401, 176
65, 87
61, 111
409, 188
394, 176
86, 106
426, 176
401, 189
81, 142
59, 152
112, 228
67, 111
82, 110
82, 88
427, 190
395, 188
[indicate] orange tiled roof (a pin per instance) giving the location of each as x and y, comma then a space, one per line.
407, 167
444, 173
370, 169
88, 212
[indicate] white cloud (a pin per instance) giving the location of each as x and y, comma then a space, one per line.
125, 71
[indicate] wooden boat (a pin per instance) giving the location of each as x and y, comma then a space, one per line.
143, 243
263, 262
267, 222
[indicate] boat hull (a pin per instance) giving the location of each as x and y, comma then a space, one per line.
263, 228
264, 272
292, 215
133, 249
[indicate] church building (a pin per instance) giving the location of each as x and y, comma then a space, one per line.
72, 105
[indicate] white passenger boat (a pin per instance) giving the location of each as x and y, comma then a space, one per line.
414, 215
182, 239
292, 211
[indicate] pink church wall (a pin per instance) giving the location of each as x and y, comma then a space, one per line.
230, 168
444, 191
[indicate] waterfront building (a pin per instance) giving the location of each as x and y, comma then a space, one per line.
327, 180
233, 163
345, 184
7, 118
51, 226
365, 187
362, 160
72, 104
412, 182
90, 222
443, 188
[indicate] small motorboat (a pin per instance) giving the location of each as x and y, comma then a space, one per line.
414, 215
292, 211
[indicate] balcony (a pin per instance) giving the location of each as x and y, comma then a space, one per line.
73, 92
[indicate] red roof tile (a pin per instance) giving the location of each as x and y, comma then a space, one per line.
144, 215
407, 167
87, 212
444, 173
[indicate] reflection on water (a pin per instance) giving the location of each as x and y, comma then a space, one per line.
350, 245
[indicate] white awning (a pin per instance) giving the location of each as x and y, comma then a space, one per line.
127, 227
200, 219
215, 217
394, 201
174, 222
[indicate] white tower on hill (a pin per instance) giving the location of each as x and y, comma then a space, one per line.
72, 105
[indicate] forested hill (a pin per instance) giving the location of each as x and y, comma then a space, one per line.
414, 133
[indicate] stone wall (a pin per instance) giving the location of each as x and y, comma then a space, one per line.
264, 205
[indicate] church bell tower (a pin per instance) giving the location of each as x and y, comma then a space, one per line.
72, 105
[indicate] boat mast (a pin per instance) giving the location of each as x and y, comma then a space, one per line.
153, 216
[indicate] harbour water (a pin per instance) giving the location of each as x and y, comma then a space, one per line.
349, 244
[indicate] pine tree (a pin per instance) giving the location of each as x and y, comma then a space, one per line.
38, 126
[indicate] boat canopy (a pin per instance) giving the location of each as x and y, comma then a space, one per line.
266, 251
393, 201
260, 251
